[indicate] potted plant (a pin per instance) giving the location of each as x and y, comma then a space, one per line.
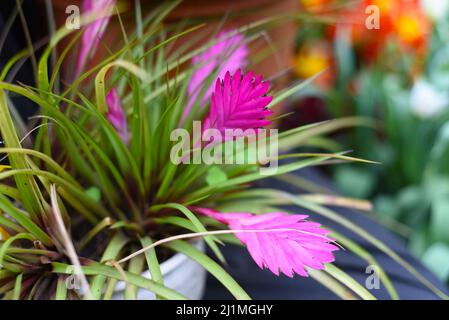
144, 153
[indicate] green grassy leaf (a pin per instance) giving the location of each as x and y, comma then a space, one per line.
211, 266
349, 282
197, 223
106, 272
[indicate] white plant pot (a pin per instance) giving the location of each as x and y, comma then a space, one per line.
180, 273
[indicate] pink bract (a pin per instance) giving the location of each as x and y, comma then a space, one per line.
228, 54
94, 31
239, 102
282, 242
116, 115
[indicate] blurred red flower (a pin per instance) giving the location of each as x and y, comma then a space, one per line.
401, 21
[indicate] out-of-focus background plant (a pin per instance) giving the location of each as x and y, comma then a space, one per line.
397, 75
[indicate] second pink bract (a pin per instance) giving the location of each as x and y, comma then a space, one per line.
282, 242
94, 31
116, 115
228, 54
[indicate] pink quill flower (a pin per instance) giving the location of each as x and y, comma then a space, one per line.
116, 115
94, 31
239, 102
228, 54
289, 245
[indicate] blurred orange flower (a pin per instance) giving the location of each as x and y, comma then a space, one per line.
314, 5
411, 25
312, 59
402, 21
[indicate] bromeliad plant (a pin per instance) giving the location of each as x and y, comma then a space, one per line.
96, 190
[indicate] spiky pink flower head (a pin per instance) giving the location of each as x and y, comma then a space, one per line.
282, 242
239, 102
93, 32
228, 54
116, 115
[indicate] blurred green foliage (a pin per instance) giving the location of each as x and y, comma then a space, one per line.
406, 92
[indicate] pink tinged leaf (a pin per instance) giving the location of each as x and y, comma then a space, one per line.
253, 246
297, 265
268, 253
93, 32
306, 255
116, 115
289, 245
219, 216
228, 54
288, 258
